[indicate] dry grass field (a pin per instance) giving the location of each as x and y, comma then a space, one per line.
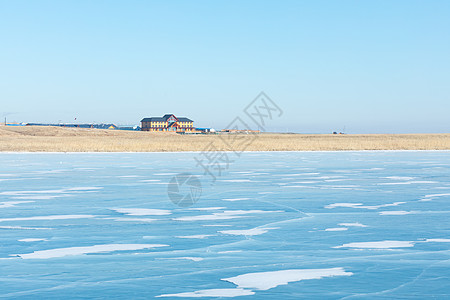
55, 139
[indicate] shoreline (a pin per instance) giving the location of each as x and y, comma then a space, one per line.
37, 139
189, 152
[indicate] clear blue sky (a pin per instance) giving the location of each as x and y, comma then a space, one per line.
371, 66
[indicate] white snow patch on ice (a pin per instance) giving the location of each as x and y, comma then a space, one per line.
334, 205
394, 183
352, 224
39, 197
188, 258
12, 203
11, 179
54, 217
436, 195
164, 174
142, 211
406, 182
49, 194
207, 208
337, 229
196, 236
85, 188
26, 193
145, 220
338, 180
360, 205
32, 240
437, 240
247, 232
236, 180
268, 280
226, 215
61, 252
400, 178
24, 228
301, 174
378, 245
236, 199
395, 213
215, 216
212, 293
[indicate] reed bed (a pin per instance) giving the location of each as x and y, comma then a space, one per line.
55, 139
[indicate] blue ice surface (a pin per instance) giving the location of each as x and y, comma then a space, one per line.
297, 197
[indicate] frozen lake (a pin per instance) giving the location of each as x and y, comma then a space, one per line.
288, 225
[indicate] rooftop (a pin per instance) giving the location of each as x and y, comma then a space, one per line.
165, 118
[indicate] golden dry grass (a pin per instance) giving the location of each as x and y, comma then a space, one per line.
55, 139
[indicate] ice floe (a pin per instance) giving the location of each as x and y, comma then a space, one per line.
142, 211
211, 293
268, 280
61, 252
